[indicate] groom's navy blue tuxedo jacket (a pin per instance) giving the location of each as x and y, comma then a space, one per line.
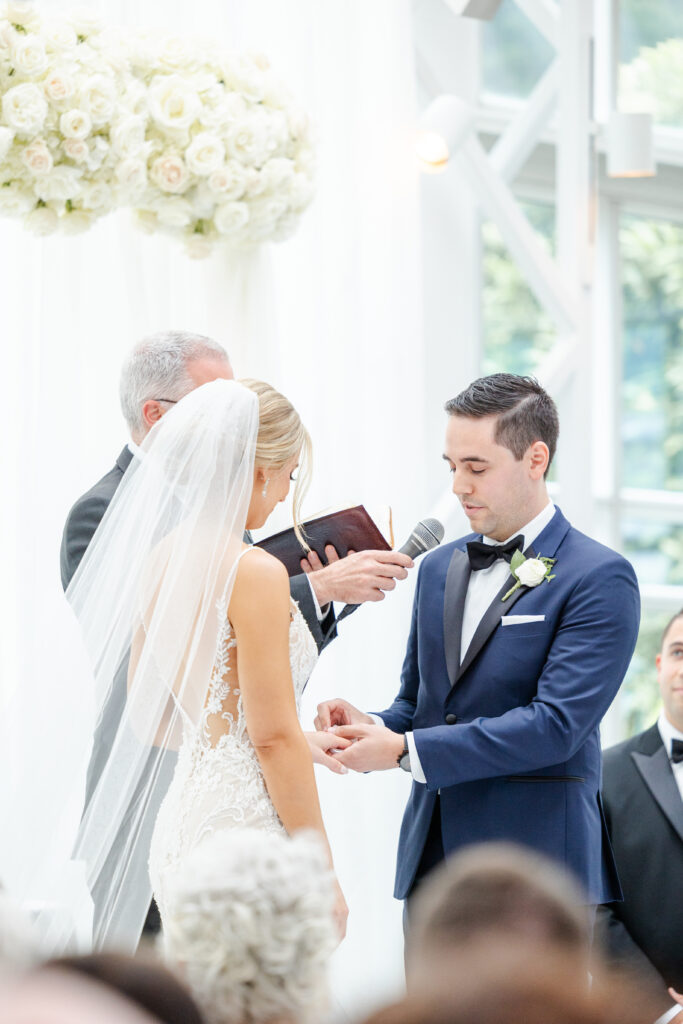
520, 759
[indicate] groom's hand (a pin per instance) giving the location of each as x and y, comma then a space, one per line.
339, 712
360, 576
376, 748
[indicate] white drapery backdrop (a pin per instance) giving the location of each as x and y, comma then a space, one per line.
331, 317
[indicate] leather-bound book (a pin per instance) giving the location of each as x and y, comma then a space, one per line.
351, 529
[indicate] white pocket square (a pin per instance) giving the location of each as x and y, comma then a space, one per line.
517, 620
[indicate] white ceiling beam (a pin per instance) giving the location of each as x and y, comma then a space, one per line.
523, 133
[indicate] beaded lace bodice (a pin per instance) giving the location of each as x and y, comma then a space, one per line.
218, 782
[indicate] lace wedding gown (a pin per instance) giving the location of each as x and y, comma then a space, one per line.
218, 782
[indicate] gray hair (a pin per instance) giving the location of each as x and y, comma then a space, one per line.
157, 368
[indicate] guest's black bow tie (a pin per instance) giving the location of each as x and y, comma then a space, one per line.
676, 751
482, 555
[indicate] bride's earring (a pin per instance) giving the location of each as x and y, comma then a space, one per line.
265, 488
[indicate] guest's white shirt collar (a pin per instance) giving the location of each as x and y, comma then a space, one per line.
667, 731
532, 530
135, 449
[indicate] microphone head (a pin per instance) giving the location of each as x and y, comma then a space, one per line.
426, 535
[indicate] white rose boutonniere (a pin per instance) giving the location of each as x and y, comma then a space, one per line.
529, 572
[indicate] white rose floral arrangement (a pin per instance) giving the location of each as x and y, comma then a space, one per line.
529, 572
62, 88
203, 145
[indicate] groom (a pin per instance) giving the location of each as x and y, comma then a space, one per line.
505, 678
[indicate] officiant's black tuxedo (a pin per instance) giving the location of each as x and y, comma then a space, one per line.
87, 513
644, 813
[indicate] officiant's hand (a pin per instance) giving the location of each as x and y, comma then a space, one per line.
339, 712
321, 743
360, 576
376, 748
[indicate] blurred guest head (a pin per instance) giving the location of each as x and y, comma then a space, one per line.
669, 663
496, 894
535, 992
62, 997
249, 920
162, 369
150, 986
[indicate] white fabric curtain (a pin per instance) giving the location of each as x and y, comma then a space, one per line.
332, 317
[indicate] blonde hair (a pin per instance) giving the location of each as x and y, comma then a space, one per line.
281, 436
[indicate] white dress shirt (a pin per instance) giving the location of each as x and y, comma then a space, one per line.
482, 588
669, 732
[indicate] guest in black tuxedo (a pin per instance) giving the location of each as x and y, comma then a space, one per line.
158, 373
643, 796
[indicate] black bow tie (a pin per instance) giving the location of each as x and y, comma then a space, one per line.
482, 555
676, 751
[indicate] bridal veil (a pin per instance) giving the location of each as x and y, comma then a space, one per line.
92, 756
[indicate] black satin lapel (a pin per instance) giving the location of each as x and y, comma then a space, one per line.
457, 578
492, 617
659, 779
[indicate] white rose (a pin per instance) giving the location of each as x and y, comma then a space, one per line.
198, 247
128, 135
300, 191
252, 140
98, 153
176, 54
37, 157
21, 13
76, 222
131, 175
75, 124
6, 140
59, 36
76, 149
15, 199
205, 153
59, 86
134, 98
278, 173
229, 181
29, 56
96, 196
170, 173
84, 23
174, 213
531, 572
62, 184
231, 217
42, 221
264, 215
25, 108
285, 227
98, 99
147, 221
173, 102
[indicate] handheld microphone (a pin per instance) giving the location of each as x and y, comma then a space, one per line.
426, 535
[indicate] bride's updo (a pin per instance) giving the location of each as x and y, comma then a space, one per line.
281, 436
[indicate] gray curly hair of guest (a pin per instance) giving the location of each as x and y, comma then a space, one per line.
249, 921
157, 368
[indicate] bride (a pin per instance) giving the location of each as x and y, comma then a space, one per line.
197, 634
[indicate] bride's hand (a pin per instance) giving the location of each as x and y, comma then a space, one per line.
341, 911
320, 745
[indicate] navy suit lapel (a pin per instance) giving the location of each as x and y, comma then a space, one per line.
656, 773
458, 577
546, 544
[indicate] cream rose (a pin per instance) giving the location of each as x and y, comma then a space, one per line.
59, 36
76, 222
250, 140
75, 124
25, 108
42, 221
176, 54
37, 157
21, 13
131, 175
84, 23
76, 149
62, 184
96, 196
205, 153
29, 56
229, 181
170, 173
15, 199
531, 572
173, 102
128, 136
146, 221
98, 98
59, 86
231, 217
